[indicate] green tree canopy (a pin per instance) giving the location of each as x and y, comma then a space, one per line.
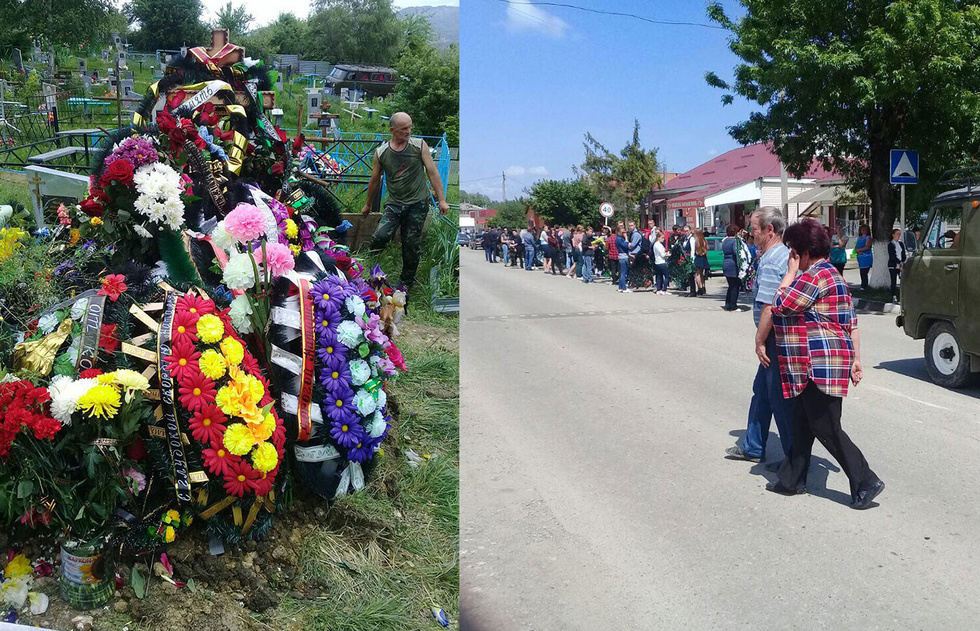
235, 19
288, 35
510, 214
167, 23
428, 85
624, 179
477, 199
357, 31
845, 81
73, 22
565, 202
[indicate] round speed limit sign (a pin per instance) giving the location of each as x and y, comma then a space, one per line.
606, 209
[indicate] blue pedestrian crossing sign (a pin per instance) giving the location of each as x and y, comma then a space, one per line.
904, 167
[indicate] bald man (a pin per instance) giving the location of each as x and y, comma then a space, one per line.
407, 165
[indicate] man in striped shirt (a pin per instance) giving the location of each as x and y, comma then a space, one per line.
767, 402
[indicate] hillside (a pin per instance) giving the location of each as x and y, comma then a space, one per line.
444, 22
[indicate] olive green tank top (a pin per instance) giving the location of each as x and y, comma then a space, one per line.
405, 174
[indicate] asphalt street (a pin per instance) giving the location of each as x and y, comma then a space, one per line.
596, 495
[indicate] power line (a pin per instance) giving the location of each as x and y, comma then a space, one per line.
480, 179
613, 13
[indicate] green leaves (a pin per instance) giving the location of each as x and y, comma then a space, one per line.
138, 583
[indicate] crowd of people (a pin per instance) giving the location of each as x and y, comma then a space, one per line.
806, 340
631, 257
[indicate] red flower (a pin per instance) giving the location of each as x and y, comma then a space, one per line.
196, 391
91, 373
136, 450
34, 517
240, 478
166, 122
282, 135
208, 425
182, 360
278, 168
107, 338
92, 208
395, 356
220, 461
45, 427
184, 327
299, 142
342, 262
119, 171
250, 364
177, 138
263, 485
113, 285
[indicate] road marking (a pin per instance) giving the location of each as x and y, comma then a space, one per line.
905, 396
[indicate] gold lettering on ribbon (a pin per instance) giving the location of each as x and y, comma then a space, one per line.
136, 351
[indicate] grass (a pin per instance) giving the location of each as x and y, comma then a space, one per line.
13, 187
873, 294
391, 551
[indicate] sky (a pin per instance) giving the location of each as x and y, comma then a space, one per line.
535, 79
265, 12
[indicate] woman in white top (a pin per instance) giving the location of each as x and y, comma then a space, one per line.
660, 263
543, 244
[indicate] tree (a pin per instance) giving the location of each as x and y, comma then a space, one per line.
623, 179
846, 81
72, 22
565, 202
356, 31
428, 87
167, 23
288, 35
477, 199
235, 19
510, 214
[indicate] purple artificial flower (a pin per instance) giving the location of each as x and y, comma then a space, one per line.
64, 267
361, 451
135, 150
326, 323
378, 277
88, 245
331, 354
305, 234
385, 366
328, 294
335, 379
347, 432
339, 405
372, 330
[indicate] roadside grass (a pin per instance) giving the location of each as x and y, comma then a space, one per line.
873, 294
391, 552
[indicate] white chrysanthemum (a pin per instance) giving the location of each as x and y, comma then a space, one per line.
173, 210
350, 335
364, 402
159, 272
355, 305
158, 186
141, 231
221, 238
360, 372
48, 322
239, 273
378, 426
239, 313
382, 399
65, 393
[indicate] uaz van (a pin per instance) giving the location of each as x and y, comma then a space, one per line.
372, 80
941, 284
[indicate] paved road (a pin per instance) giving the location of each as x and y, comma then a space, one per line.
595, 494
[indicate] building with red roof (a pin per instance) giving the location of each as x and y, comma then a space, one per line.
726, 188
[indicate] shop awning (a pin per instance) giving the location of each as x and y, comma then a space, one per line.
826, 195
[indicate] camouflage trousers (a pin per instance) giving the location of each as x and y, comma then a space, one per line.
411, 219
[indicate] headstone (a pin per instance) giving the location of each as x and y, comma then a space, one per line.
87, 83
117, 41
121, 56
95, 75
314, 100
45, 184
183, 51
111, 71
82, 65
50, 96
18, 60
128, 75
126, 88
277, 114
105, 55
279, 82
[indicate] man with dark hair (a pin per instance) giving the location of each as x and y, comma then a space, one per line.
408, 168
767, 401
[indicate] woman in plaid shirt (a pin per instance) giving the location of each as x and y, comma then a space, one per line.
814, 319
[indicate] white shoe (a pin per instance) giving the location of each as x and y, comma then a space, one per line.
627, 291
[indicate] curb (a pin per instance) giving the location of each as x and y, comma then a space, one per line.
873, 306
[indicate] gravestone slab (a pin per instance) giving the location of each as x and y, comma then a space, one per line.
46, 184
126, 88
82, 65
314, 99
18, 60
128, 75
87, 83
121, 56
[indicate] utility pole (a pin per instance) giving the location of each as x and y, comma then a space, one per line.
503, 186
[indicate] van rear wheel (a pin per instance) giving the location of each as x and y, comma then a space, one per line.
946, 362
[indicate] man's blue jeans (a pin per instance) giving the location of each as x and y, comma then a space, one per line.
528, 257
587, 268
623, 263
504, 248
768, 402
569, 259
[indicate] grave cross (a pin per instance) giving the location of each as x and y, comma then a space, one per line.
36, 181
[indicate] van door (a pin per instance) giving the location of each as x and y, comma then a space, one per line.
930, 284
968, 324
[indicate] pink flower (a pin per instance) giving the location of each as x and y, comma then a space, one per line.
279, 256
137, 479
395, 356
245, 223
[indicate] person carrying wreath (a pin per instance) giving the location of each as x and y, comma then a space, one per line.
408, 168
819, 353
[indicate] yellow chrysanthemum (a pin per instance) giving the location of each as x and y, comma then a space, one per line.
96, 221
265, 458
232, 350
292, 230
255, 387
106, 379
212, 364
130, 379
173, 515
238, 439
18, 566
169, 534
210, 328
263, 431
74, 236
101, 400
